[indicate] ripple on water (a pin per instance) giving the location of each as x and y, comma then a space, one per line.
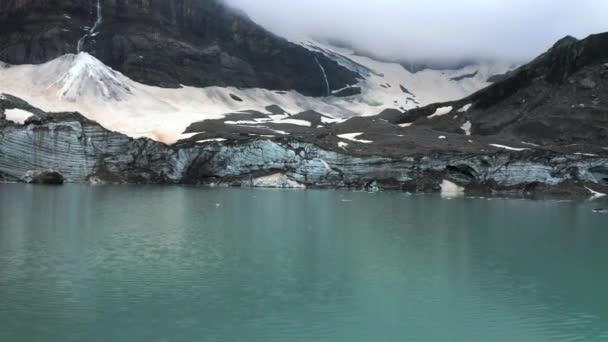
166, 264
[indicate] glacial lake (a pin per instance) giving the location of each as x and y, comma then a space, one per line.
164, 264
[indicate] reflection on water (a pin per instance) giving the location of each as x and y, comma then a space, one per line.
82, 263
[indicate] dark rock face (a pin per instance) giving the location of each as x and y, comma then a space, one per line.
463, 77
166, 43
497, 78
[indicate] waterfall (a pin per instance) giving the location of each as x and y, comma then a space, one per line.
327, 89
92, 31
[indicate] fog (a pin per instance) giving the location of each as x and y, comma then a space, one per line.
438, 30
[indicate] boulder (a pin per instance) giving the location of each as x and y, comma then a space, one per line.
587, 83
277, 180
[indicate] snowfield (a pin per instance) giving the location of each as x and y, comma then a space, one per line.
390, 85
84, 84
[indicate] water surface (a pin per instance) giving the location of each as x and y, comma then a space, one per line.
81, 263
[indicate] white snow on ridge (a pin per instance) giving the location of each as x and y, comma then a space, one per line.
276, 119
509, 148
328, 120
441, 111
211, 140
353, 137
18, 116
294, 122
465, 108
426, 86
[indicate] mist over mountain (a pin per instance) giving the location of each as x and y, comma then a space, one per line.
440, 31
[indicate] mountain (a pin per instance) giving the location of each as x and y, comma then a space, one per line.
129, 92
559, 99
83, 83
198, 43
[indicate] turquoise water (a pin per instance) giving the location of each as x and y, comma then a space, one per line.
81, 263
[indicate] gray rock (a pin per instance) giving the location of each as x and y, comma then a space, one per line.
277, 180
587, 83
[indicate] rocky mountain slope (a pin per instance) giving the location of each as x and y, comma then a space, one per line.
81, 82
165, 43
559, 99
35, 145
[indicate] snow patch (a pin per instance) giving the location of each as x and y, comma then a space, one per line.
586, 154
595, 194
466, 127
294, 122
188, 135
211, 140
18, 116
441, 111
329, 120
353, 137
342, 145
406, 125
241, 122
509, 148
465, 108
442, 137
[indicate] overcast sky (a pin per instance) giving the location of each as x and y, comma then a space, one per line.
444, 29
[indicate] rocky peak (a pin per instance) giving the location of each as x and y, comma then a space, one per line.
166, 43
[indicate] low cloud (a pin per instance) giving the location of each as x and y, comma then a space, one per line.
437, 30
